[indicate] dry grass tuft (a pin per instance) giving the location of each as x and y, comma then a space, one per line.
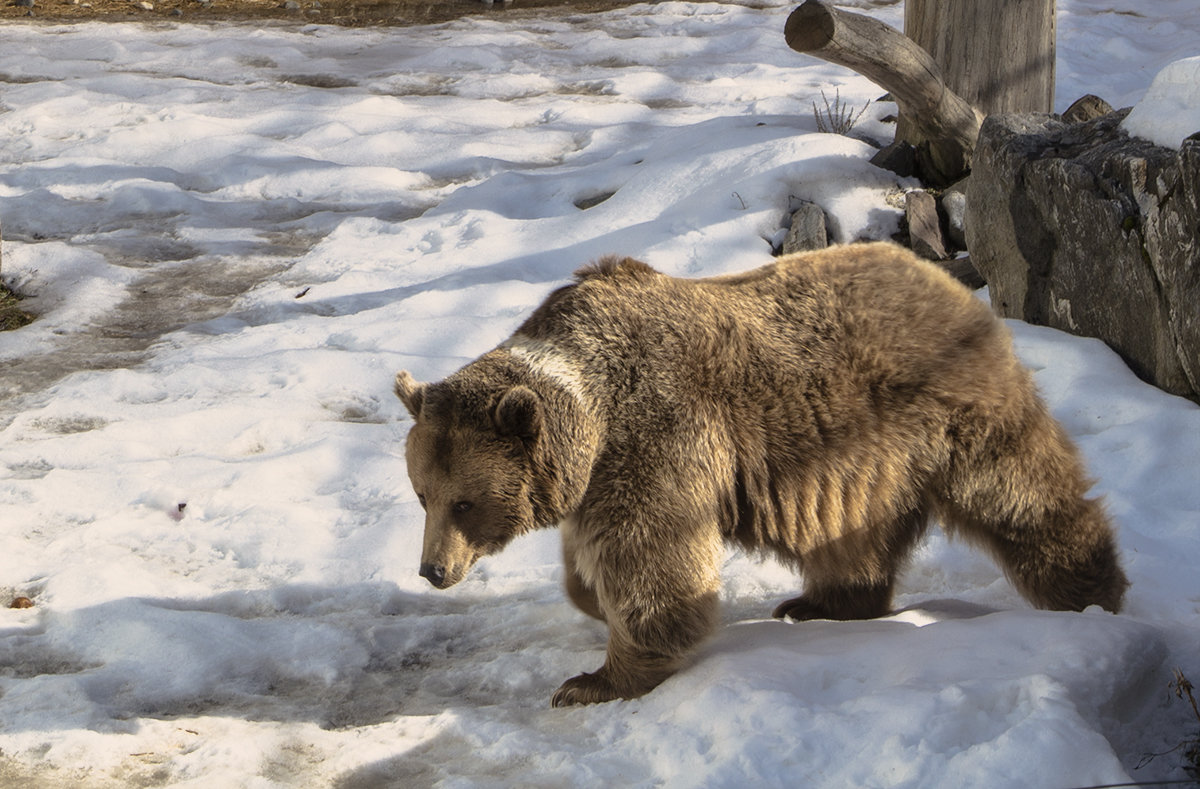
1190, 746
837, 118
11, 314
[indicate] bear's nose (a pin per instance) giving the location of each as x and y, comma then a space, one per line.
435, 573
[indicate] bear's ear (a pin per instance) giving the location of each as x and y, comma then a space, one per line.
519, 413
411, 393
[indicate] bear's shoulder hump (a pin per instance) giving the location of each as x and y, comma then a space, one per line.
615, 267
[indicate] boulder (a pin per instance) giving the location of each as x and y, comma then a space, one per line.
1082, 227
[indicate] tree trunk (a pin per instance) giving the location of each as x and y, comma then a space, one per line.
961, 60
998, 55
947, 125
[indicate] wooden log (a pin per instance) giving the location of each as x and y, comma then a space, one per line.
947, 124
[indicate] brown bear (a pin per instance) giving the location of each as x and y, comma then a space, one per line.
822, 408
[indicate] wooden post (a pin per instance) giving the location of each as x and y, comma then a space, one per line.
997, 54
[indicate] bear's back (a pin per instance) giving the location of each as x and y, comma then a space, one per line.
864, 316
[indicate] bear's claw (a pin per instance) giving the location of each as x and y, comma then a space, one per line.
584, 689
799, 609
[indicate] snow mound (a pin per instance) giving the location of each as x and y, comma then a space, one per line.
1170, 110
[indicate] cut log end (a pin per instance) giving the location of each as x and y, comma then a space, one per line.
809, 28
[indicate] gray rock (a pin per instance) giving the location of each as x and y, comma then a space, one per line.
924, 230
899, 157
23, 3
963, 270
1084, 228
1086, 108
954, 209
807, 230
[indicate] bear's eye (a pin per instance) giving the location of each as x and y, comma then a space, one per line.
421, 500
462, 506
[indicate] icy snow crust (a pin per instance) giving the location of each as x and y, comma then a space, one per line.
235, 236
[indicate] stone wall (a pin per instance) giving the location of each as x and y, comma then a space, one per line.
1082, 227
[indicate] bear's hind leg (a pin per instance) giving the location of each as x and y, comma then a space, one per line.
1021, 494
1062, 556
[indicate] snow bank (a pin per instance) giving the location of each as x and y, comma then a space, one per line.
1170, 110
234, 236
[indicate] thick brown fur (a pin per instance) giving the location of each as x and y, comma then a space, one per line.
822, 409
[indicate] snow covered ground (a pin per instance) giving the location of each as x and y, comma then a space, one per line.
235, 235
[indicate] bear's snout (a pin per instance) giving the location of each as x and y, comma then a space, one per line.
434, 573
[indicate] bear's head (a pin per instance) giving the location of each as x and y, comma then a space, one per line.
470, 461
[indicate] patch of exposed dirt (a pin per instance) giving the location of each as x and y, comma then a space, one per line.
166, 301
350, 13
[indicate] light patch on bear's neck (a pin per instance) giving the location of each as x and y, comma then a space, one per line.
545, 358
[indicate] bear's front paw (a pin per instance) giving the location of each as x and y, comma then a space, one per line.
584, 689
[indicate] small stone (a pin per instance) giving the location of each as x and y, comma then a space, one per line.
808, 229
1086, 108
23, 3
963, 270
21, 602
924, 231
145, 5
291, 5
954, 206
899, 157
